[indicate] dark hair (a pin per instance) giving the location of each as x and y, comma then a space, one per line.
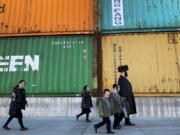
106, 90
85, 87
115, 86
22, 81
19, 83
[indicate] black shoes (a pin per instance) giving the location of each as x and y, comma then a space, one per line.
6, 127
129, 124
110, 132
95, 128
117, 127
88, 121
77, 117
24, 129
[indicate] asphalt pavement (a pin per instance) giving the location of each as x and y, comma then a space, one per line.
69, 126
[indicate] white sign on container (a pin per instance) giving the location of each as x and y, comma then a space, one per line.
117, 13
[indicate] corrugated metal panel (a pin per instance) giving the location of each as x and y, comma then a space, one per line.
41, 17
50, 65
139, 15
153, 59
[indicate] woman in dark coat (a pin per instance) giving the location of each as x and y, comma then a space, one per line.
18, 103
86, 103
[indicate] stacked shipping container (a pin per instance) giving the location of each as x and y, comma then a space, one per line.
52, 44
50, 65
73, 17
119, 16
153, 58
58, 65
47, 17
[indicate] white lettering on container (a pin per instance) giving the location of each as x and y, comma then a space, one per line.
12, 63
117, 13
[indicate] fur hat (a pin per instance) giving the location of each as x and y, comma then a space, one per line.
122, 68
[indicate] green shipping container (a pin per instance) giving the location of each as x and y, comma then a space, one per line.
58, 65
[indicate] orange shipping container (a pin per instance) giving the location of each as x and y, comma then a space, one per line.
44, 17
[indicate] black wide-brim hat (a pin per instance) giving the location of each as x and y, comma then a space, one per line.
123, 68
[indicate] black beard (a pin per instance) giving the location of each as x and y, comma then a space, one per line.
126, 74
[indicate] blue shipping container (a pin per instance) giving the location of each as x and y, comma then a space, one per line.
139, 15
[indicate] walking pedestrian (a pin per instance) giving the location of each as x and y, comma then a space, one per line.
126, 92
104, 112
86, 103
116, 106
18, 102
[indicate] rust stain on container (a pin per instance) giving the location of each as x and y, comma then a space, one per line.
43, 17
153, 59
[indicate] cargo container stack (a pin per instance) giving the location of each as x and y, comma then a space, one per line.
144, 34
58, 46
50, 44
53, 42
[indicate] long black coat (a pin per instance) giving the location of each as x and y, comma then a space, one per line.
19, 103
126, 91
86, 103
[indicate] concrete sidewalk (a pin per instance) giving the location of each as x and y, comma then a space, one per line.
69, 126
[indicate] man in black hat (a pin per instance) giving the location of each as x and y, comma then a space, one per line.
127, 94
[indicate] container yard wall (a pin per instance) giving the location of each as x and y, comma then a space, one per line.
151, 107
